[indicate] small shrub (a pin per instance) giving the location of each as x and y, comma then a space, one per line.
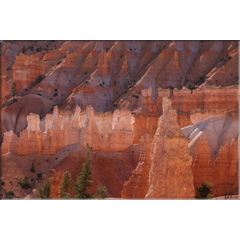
115, 104
39, 79
205, 191
24, 183
202, 76
32, 167
102, 192
191, 87
10, 194
127, 79
45, 188
39, 49
55, 94
3, 183
39, 175
8, 103
13, 89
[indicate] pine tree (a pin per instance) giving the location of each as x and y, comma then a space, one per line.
14, 89
84, 179
102, 192
45, 189
24, 183
65, 186
32, 167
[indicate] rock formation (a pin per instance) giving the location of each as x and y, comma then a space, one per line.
138, 185
107, 132
214, 147
110, 94
27, 70
223, 174
170, 175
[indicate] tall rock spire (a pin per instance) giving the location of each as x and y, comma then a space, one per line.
170, 175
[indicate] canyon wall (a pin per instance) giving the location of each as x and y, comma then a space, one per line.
110, 75
212, 144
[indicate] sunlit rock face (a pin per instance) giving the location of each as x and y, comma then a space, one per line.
170, 175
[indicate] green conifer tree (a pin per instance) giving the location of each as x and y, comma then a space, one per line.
65, 186
14, 89
24, 183
45, 189
84, 179
102, 192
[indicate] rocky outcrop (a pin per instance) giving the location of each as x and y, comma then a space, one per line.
107, 132
144, 124
27, 70
190, 105
15, 115
223, 174
218, 127
170, 175
138, 185
214, 148
102, 63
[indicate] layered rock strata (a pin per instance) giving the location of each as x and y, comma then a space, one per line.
27, 70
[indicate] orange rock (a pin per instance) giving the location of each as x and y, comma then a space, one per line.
102, 63
27, 70
137, 185
223, 174
170, 175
